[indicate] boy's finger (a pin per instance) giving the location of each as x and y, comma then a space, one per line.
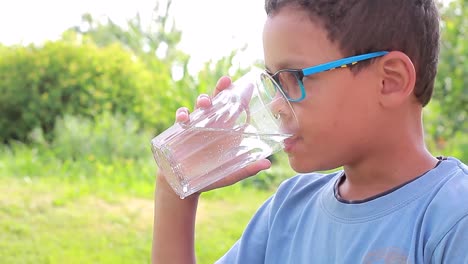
241, 174
182, 114
223, 83
203, 101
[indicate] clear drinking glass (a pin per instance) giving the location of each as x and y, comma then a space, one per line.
246, 122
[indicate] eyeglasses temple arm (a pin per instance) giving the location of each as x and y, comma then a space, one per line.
341, 62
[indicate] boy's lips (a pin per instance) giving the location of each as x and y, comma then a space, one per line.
289, 143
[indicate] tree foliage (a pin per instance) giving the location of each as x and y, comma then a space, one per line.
42, 83
447, 113
98, 67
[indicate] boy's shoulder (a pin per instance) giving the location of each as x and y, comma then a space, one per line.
447, 186
310, 178
453, 183
450, 196
444, 209
305, 184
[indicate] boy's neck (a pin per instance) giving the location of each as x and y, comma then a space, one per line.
370, 179
403, 158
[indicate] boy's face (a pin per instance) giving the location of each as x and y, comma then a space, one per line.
338, 119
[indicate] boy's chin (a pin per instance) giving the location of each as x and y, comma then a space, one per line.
306, 165
301, 166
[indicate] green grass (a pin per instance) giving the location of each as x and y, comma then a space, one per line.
55, 210
45, 221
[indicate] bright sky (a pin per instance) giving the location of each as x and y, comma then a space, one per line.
211, 28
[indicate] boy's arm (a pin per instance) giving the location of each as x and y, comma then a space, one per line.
174, 224
174, 218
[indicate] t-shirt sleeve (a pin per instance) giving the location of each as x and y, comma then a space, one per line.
251, 247
453, 248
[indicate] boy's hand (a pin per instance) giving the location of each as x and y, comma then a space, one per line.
174, 218
204, 101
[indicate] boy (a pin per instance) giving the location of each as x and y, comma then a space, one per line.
393, 202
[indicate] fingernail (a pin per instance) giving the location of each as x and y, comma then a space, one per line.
181, 115
182, 110
203, 96
221, 80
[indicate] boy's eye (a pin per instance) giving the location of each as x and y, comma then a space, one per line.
289, 82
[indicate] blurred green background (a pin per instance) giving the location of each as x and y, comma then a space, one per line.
77, 116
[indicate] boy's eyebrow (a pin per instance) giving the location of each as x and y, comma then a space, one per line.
289, 65
280, 67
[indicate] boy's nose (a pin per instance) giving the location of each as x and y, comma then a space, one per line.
284, 113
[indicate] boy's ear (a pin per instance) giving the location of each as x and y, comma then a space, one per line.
398, 77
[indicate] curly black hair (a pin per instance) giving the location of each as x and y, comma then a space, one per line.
361, 26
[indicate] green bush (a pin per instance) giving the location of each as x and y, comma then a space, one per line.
109, 139
39, 84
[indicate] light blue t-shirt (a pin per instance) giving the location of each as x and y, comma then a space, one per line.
423, 221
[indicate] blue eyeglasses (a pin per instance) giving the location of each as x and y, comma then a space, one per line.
290, 81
